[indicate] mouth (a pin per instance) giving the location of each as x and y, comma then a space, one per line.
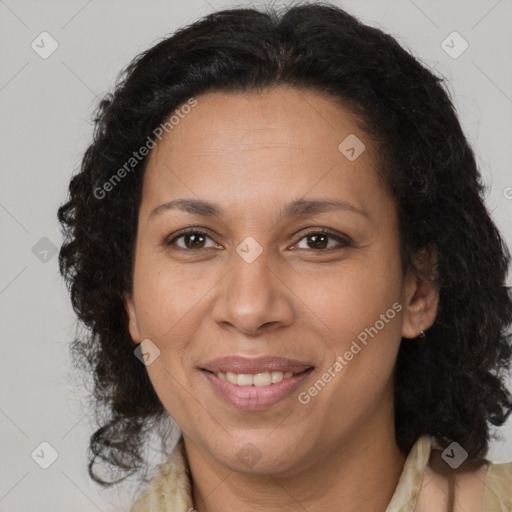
256, 379
255, 392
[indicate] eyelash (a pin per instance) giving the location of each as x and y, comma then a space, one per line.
343, 240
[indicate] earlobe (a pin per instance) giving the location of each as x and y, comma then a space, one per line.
132, 318
421, 298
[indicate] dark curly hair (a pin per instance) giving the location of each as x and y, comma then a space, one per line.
450, 384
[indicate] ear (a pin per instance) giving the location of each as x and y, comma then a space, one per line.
421, 295
132, 317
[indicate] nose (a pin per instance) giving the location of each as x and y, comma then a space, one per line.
253, 298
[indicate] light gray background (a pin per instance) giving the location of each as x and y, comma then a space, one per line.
46, 105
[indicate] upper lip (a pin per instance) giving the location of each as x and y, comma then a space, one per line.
244, 365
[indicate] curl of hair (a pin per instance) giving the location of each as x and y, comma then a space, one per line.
452, 384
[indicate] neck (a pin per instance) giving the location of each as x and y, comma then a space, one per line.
359, 474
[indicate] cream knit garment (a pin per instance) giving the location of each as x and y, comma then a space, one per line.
169, 490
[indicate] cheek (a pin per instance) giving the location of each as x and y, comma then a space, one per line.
166, 294
173, 389
358, 313
168, 310
359, 361
352, 295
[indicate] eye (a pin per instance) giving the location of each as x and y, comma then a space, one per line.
192, 239
318, 240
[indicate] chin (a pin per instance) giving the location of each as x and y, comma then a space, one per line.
259, 454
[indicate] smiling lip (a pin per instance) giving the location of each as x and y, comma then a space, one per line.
255, 397
261, 364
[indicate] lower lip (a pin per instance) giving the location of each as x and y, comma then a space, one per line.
254, 398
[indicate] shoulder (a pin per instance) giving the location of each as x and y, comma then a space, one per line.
474, 486
498, 488
169, 490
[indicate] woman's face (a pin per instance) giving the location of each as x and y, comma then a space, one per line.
260, 280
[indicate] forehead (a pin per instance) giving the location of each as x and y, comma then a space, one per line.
297, 117
283, 140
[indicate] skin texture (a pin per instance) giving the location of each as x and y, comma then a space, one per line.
252, 154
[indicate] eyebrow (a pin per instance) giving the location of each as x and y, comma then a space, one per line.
298, 208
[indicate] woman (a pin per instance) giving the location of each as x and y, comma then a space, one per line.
278, 239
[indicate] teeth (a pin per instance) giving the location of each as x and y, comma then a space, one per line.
259, 379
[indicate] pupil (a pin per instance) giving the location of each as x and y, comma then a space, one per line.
193, 237
316, 238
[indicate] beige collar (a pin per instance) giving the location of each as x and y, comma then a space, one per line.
169, 490
406, 493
